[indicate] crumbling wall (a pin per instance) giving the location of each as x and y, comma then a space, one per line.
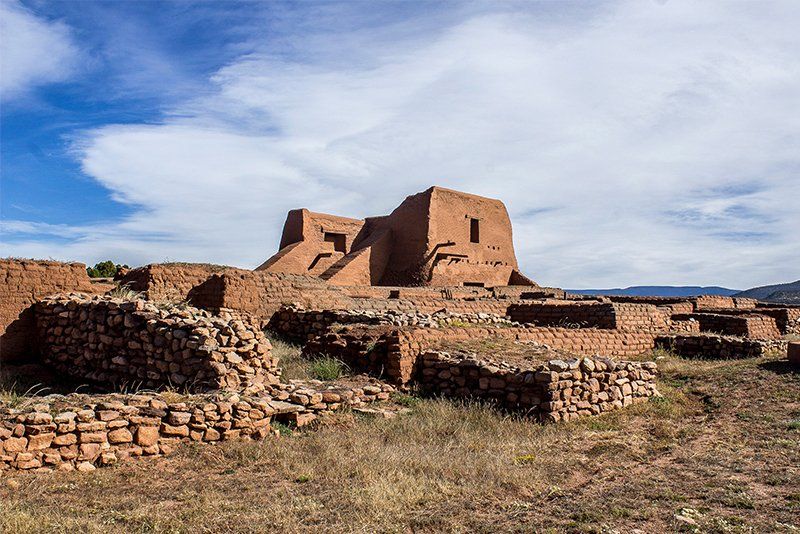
710, 346
706, 302
394, 352
554, 390
114, 342
300, 325
606, 315
261, 294
751, 326
674, 304
169, 281
22, 282
89, 430
787, 319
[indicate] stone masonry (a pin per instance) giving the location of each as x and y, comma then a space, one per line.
112, 342
554, 390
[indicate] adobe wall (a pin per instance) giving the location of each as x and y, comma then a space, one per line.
706, 302
751, 326
261, 294
787, 319
393, 352
551, 391
169, 281
689, 304
303, 247
22, 282
607, 315
136, 344
490, 261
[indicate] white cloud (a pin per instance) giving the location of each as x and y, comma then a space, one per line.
645, 143
33, 51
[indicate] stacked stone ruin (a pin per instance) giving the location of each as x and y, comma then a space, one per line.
135, 343
190, 342
554, 390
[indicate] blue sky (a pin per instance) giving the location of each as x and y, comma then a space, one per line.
633, 142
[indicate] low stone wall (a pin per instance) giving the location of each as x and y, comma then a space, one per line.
364, 350
114, 342
83, 431
393, 352
555, 390
709, 346
22, 283
300, 325
754, 326
588, 314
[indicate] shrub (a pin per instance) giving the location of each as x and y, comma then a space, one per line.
104, 269
327, 368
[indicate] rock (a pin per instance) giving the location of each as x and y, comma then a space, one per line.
85, 467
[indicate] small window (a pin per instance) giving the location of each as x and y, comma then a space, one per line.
474, 231
474, 284
339, 241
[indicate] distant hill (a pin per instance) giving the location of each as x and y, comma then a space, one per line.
784, 293
659, 291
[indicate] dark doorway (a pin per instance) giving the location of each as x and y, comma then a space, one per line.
474, 231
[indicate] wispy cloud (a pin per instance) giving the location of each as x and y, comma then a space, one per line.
33, 51
640, 121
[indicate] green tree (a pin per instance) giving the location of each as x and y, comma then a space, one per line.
104, 269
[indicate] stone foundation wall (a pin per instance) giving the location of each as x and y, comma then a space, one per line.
301, 325
22, 283
113, 342
607, 315
393, 352
88, 431
554, 390
99, 430
709, 346
754, 326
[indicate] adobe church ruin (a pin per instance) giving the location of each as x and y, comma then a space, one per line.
439, 237
474, 327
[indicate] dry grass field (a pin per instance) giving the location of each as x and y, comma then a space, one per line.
720, 452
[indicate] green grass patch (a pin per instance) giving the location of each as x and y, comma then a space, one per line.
327, 368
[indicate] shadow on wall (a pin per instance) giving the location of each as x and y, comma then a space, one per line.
18, 342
